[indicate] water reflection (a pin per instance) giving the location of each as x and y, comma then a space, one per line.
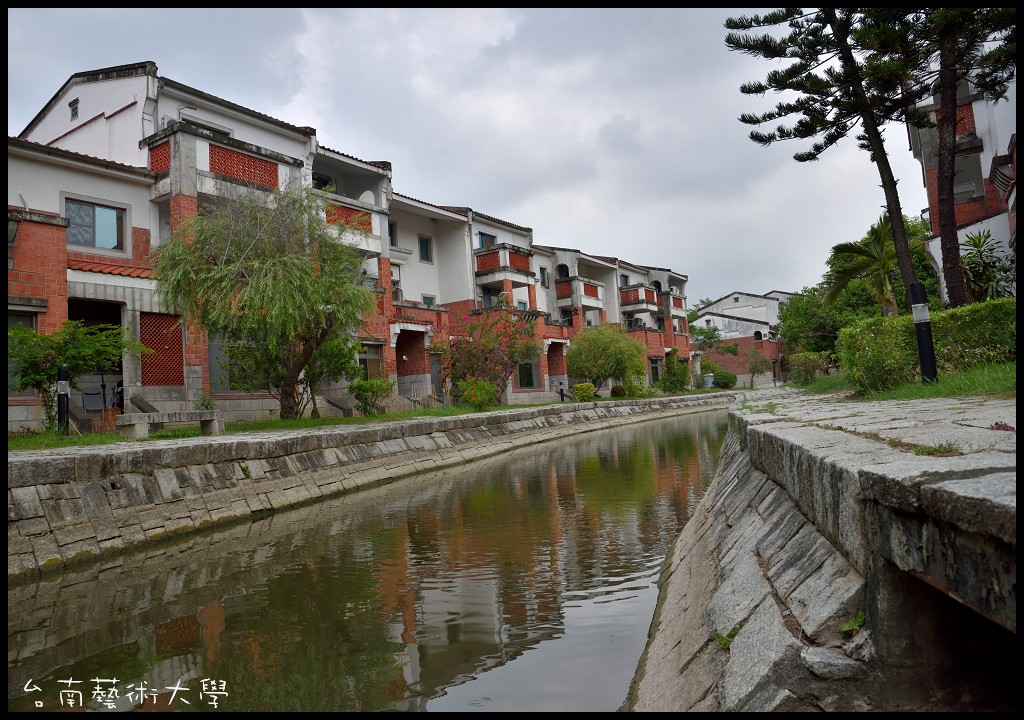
522, 583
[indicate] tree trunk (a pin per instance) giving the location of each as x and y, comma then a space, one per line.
879, 156
952, 266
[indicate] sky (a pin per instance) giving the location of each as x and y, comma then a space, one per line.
612, 131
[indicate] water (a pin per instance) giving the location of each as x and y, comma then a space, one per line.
522, 583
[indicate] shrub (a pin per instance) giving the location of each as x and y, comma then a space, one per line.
618, 391
725, 379
635, 388
584, 392
881, 353
478, 394
369, 394
676, 375
804, 367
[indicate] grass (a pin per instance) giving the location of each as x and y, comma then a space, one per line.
997, 381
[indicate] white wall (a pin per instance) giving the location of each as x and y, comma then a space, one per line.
116, 138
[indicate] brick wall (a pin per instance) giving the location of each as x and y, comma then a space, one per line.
233, 164
40, 271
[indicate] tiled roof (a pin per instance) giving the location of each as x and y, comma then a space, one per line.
109, 269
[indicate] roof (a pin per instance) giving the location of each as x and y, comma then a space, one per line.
28, 145
110, 269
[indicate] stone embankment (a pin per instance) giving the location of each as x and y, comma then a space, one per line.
75, 504
848, 556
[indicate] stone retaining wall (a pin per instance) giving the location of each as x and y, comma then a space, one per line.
831, 571
66, 506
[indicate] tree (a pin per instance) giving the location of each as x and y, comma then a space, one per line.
80, 348
872, 259
808, 323
756, 363
834, 95
691, 315
268, 274
487, 345
988, 273
927, 51
607, 351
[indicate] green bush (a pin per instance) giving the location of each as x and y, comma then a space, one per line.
804, 367
881, 353
635, 388
584, 392
369, 394
478, 394
618, 391
674, 379
725, 379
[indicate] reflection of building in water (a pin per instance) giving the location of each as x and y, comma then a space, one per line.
459, 575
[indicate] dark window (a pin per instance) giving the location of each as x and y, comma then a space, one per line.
528, 376
487, 240
428, 301
426, 249
623, 280
94, 226
544, 277
369, 361
393, 234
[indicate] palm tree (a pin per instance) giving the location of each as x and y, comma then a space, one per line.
987, 273
873, 259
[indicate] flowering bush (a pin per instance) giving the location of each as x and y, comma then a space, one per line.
486, 344
480, 394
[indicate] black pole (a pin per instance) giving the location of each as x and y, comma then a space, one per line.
63, 393
923, 329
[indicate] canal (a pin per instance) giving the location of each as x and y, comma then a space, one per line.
522, 583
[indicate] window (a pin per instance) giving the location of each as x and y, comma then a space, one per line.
758, 336
736, 299
15, 319
521, 305
393, 234
429, 301
321, 181
369, 362
95, 226
74, 108
707, 323
544, 277
487, 240
491, 297
528, 376
426, 249
623, 280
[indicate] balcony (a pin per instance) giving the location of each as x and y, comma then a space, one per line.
579, 292
638, 298
356, 227
672, 305
498, 263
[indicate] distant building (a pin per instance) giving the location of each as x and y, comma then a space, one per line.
749, 322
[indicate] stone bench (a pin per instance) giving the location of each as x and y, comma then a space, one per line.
135, 426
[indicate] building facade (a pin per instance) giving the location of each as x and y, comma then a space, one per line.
985, 185
121, 157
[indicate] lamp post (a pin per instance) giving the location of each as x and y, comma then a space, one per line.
63, 396
923, 329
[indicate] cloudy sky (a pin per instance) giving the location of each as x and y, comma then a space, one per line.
613, 131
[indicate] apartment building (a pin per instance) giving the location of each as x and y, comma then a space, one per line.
120, 157
985, 185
